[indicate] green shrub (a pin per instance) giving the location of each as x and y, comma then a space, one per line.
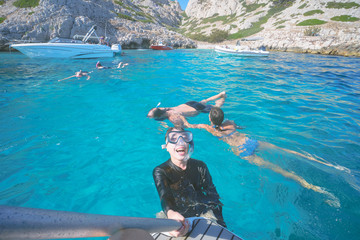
147, 21
215, 36
312, 31
252, 7
256, 27
339, 5
230, 18
311, 22
281, 26
345, 18
198, 37
2, 2
258, 13
120, 3
279, 22
218, 36
302, 6
26, 3
123, 16
309, 13
283, 3
214, 18
2, 19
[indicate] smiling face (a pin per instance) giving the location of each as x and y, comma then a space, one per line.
178, 151
178, 144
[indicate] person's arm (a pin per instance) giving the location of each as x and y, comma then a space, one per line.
168, 202
211, 197
163, 187
180, 218
203, 126
208, 186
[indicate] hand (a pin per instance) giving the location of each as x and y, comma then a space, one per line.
180, 218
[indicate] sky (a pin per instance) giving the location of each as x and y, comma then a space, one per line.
183, 3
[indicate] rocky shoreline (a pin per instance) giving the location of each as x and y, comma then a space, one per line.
325, 43
347, 51
137, 24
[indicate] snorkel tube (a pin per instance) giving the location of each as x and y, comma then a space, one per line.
190, 151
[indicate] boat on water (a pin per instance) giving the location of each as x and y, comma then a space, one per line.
241, 51
69, 48
161, 46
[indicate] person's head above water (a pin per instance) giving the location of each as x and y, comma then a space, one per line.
157, 113
216, 116
179, 143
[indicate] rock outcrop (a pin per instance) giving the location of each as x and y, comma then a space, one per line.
314, 26
133, 23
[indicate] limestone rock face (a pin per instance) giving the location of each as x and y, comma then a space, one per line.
207, 8
282, 24
131, 22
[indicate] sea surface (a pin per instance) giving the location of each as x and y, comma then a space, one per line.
87, 145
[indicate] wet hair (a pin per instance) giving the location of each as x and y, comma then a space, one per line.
158, 114
216, 116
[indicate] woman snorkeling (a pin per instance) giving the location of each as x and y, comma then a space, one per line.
245, 147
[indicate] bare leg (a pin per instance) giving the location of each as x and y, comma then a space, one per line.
262, 163
221, 96
269, 145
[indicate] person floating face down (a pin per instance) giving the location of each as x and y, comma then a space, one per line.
246, 147
188, 109
120, 65
184, 184
78, 74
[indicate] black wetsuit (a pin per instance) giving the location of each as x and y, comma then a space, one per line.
189, 192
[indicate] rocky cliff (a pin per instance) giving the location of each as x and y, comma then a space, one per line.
315, 26
132, 23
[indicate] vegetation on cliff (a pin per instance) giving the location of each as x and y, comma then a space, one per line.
26, 3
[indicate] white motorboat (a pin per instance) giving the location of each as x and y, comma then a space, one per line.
69, 48
241, 51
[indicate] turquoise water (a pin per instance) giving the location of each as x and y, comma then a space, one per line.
87, 146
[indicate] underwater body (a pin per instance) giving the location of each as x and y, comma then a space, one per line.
87, 146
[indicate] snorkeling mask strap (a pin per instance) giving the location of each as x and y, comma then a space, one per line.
190, 151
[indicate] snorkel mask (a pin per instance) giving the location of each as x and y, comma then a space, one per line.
180, 138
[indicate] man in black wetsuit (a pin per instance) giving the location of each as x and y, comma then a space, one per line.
184, 184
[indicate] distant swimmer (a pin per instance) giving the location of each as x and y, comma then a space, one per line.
79, 74
245, 147
120, 65
188, 109
99, 66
